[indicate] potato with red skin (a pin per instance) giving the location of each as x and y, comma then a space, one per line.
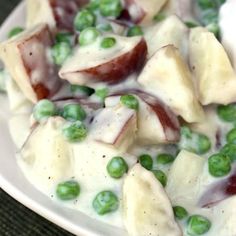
58, 14
156, 122
167, 75
26, 59
105, 65
219, 191
115, 126
142, 11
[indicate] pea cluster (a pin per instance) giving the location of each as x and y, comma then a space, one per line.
162, 159
74, 130
193, 141
220, 164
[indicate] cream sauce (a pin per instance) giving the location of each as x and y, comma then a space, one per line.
47, 159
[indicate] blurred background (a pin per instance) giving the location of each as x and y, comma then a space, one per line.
15, 219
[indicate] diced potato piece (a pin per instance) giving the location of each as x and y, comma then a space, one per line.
142, 11
92, 64
116, 126
214, 75
26, 59
58, 14
47, 154
170, 31
167, 76
184, 178
147, 209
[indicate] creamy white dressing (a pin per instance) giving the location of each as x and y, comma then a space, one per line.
47, 158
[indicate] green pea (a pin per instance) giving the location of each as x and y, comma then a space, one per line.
165, 158
102, 93
15, 31
230, 151
134, 31
198, 225
60, 52
117, 167
74, 112
110, 8
82, 89
84, 19
104, 27
231, 136
159, 17
105, 202
214, 28
191, 24
130, 101
93, 5
194, 142
108, 42
161, 176
219, 165
180, 212
75, 132
43, 110
88, 36
209, 17
204, 144
186, 132
206, 4
227, 113
64, 37
68, 190
146, 161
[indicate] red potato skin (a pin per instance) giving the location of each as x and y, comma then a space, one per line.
219, 191
48, 83
121, 67
168, 119
132, 119
64, 12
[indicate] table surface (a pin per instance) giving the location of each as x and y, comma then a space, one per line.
15, 219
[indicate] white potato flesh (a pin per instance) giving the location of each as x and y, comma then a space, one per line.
150, 129
184, 178
167, 76
171, 31
40, 11
142, 11
26, 59
18, 103
224, 218
47, 154
214, 74
115, 126
91, 63
182, 8
228, 35
146, 207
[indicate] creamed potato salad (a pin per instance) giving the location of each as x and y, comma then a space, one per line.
125, 110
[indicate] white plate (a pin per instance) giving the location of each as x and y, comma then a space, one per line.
15, 184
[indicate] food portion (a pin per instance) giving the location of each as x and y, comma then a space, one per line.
125, 111
212, 69
26, 59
